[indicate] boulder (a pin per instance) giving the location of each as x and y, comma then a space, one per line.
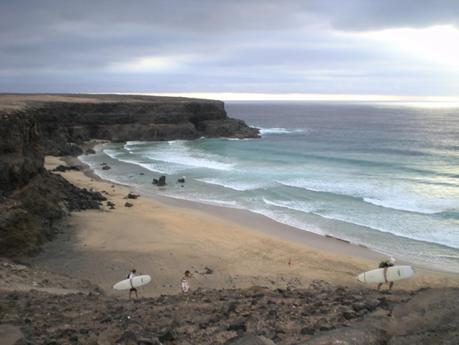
132, 196
128, 204
161, 181
64, 168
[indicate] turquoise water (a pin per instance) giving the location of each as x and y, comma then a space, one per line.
385, 176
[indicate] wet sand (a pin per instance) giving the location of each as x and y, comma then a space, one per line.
224, 248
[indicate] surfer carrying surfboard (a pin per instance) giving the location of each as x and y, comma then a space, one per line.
386, 264
131, 275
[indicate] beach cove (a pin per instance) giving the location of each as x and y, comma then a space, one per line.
69, 232
164, 239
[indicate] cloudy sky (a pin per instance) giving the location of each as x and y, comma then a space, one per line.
384, 47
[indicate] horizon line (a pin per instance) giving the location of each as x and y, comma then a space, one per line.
241, 96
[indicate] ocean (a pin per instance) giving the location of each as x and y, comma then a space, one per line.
382, 175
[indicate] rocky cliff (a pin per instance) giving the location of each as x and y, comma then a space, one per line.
32, 200
66, 120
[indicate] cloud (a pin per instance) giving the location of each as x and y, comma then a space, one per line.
361, 15
208, 45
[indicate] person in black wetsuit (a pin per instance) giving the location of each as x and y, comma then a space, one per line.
386, 264
131, 275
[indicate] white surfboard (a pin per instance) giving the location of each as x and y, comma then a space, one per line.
135, 282
394, 273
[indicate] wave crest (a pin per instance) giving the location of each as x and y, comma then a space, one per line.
279, 130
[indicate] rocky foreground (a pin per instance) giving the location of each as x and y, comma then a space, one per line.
60, 310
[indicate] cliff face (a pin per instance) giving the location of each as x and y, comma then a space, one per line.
32, 200
20, 155
132, 118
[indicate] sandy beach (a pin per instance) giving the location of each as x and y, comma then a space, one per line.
223, 249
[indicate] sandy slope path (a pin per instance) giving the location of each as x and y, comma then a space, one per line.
164, 241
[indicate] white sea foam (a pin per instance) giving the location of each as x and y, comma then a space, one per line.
204, 200
350, 188
237, 139
300, 206
404, 204
231, 184
286, 219
455, 257
387, 195
111, 153
129, 145
149, 166
442, 237
135, 142
178, 153
279, 130
189, 161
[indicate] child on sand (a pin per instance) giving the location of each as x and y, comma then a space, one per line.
131, 275
386, 264
185, 282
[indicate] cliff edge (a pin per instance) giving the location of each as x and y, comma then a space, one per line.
33, 200
68, 120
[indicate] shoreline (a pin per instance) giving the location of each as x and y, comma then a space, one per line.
223, 249
252, 220
264, 224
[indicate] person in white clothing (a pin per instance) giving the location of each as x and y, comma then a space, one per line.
185, 282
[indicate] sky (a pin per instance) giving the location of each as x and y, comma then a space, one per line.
272, 47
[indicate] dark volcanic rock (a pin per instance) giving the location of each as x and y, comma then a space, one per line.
161, 181
429, 317
132, 196
21, 157
77, 119
30, 216
64, 168
128, 204
32, 200
421, 318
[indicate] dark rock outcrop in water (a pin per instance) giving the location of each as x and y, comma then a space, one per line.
32, 200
